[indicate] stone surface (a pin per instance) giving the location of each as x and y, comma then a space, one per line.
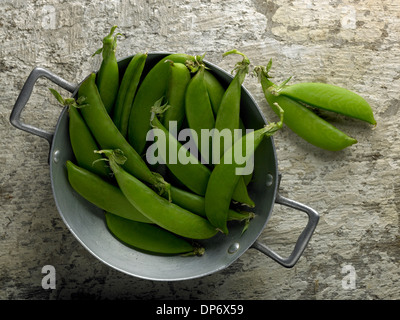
354, 44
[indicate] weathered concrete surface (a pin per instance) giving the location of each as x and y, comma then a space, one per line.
354, 44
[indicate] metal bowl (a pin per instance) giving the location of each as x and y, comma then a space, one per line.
87, 223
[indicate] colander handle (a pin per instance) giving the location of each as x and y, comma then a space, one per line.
303, 239
24, 95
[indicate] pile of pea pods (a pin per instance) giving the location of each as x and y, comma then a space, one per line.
166, 212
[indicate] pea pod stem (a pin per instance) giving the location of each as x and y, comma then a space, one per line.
300, 119
242, 67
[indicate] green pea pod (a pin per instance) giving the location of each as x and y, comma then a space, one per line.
152, 88
102, 194
82, 141
301, 120
148, 238
108, 76
83, 145
224, 177
247, 178
108, 136
329, 97
228, 118
175, 95
199, 112
215, 90
196, 204
241, 195
193, 174
158, 209
127, 91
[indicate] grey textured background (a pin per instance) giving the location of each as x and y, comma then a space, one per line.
354, 44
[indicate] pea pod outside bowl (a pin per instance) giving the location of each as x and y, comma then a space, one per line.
87, 222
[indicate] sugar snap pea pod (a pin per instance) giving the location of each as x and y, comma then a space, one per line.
107, 134
193, 174
108, 76
149, 238
228, 115
199, 113
152, 88
101, 193
158, 209
196, 204
247, 178
175, 95
215, 90
127, 91
241, 195
330, 97
224, 177
83, 145
228, 118
82, 142
301, 120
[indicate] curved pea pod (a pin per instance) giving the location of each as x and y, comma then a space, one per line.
199, 113
153, 87
196, 204
83, 145
102, 194
148, 238
82, 141
225, 176
215, 90
178, 80
228, 118
158, 209
248, 178
108, 136
301, 120
108, 76
127, 91
192, 173
228, 115
330, 97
